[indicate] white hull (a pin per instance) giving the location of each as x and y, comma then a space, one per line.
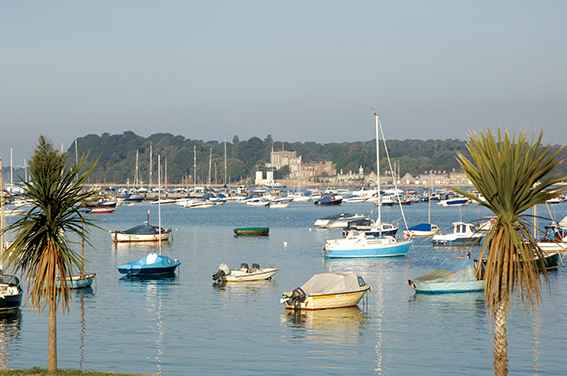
120, 237
447, 287
242, 276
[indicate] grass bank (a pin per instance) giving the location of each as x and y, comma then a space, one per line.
38, 371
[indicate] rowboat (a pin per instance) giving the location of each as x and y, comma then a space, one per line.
326, 291
77, 281
252, 231
224, 274
454, 275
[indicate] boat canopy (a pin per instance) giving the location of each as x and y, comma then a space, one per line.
451, 270
421, 227
141, 230
332, 283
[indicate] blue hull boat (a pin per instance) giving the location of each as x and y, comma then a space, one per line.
152, 264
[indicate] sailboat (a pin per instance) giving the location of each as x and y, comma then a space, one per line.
424, 229
81, 280
10, 290
357, 243
154, 264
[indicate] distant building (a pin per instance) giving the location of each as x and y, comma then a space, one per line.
278, 159
311, 170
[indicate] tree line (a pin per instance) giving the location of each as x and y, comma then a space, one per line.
117, 155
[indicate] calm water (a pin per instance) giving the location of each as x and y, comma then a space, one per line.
188, 325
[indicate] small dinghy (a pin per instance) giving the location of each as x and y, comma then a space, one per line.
243, 274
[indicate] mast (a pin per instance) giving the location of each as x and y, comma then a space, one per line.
378, 175
12, 166
159, 202
76, 153
2, 214
136, 177
225, 170
150, 185
195, 164
210, 160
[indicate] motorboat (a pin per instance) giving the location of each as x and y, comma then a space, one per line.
164, 201
10, 293
326, 200
150, 265
141, 233
327, 290
256, 273
357, 244
252, 231
102, 203
422, 230
456, 201
371, 228
354, 199
555, 238
77, 281
454, 275
130, 197
277, 204
255, 200
300, 197
462, 233
340, 220
102, 210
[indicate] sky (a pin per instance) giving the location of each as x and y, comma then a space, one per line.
296, 70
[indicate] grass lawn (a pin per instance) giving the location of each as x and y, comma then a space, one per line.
38, 371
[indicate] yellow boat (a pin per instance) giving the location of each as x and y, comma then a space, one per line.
327, 291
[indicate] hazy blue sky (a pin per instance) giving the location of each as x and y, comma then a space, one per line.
298, 70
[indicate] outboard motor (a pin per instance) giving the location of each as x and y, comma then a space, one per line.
223, 270
255, 267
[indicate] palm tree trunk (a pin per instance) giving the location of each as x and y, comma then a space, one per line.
500, 337
52, 341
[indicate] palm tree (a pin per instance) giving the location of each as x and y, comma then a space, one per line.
41, 249
513, 177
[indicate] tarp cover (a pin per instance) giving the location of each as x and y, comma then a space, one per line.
331, 283
421, 227
141, 230
451, 270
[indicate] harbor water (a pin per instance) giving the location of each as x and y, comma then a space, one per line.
188, 325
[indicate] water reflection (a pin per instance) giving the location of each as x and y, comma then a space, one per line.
247, 291
140, 247
10, 326
342, 325
156, 291
87, 292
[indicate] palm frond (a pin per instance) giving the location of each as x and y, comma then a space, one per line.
513, 176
